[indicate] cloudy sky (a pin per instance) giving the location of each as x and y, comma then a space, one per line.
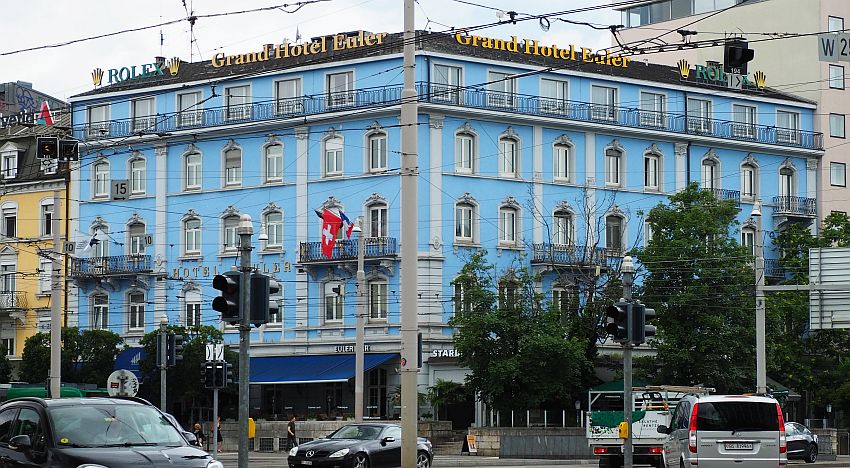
63, 71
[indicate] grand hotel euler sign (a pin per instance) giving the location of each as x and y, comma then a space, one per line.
535, 48
320, 45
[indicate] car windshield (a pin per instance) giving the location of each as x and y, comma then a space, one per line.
356, 432
737, 416
112, 425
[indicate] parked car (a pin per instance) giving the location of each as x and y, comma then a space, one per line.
802, 443
359, 446
715, 431
73, 432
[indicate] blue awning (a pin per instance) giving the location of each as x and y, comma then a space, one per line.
129, 359
311, 369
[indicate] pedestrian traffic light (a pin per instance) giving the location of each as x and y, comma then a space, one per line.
617, 321
736, 54
47, 148
639, 329
209, 374
174, 349
229, 302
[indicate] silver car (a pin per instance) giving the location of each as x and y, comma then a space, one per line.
709, 431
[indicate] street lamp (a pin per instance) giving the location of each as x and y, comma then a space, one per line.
761, 353
360, 322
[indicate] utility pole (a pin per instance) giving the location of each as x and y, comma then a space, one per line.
215, 424
409, 246
761, 352
55, 304
360, 323
628, 270
163, 360
245, 230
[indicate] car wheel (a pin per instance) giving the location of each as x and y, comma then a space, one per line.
811, 454
422, 460
361, 460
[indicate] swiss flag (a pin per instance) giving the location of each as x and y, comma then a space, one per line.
331, 223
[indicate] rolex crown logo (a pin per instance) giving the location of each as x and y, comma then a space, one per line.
97, 76
684, 69
173, 65
760, 78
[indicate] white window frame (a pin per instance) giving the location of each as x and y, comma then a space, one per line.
653, 109
652, 169
554, 96
563, 162
508, 225
378, 220
288, 101
501, 90
563, 228
101, 183
100, 232
98, 128
447, 87
744, 121
99, 312
614, 167
192, 245
229, 236
607, 110
836, 76
193, 170
232, 164
237, 102
709, 174
465, 223
610, 241
45, 275
647, 232
378, 300
138, 176
837, 174
135, 312
376, 147
787, 131
9, 211
337, 96
9, 344
190, 114
336, 304
787, 182
508, 157
333, 157
136, 240
837, 125
192, 315
272, 163
274, 230
700, 116
466, 145
143, 120
834, 24
749, 184
748, 239
46, 217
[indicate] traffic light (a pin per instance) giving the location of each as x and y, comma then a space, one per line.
209, 374
174, 349
219, 374
228, 374
617, 321
47, 148
160, 341
736, 54
69, 150
228, 303
639, 329
259, 299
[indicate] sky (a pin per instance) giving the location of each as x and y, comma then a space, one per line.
64, 71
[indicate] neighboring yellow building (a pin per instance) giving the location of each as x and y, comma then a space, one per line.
27, 188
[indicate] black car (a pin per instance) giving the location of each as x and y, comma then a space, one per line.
358, 446
92, 432
802, 443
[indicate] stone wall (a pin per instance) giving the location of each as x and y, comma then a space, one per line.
532, 442
271, 435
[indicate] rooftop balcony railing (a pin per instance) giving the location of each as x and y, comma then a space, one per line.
575, 255
346, 250
117, 265
473, 98
13, 300
795, 206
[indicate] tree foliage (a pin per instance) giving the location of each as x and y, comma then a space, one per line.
700, 281
5, 366
88, 356
518, 349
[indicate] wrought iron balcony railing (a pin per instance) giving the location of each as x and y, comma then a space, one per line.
725, 194
346, 250
474, 98
575, 255
795, 206
116, 265
13, 300
773, 269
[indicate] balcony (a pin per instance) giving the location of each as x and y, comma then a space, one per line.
13, 300
575, 255
773, 269
118, 265
793, 210
346, 250
471, 98
725, 194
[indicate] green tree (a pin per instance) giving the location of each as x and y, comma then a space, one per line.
700, 281
5, 366
518, 349
87, 356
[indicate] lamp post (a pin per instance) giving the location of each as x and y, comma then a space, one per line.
628, 270
360, 322
245, 230
761, 362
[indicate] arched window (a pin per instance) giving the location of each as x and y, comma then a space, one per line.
10, 219
138, 176
614, 167
192, 307
378, 302
710, 174
192, 169
508, 157
273, 163
46, 217
230, 240
333, 161
614, 234
233, 166
8, 280
748, 239
378, 223
377, 146
562, 228
334, 299
563, 162
787, 182
273, 221
508, 218
652, 171
466, 147
99, 317
192, 236
136, 312
101, 179
466, 220
749, 181
100, 240
136, 235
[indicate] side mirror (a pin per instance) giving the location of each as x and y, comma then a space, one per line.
20, 442
190, 437
663, 429
387, 440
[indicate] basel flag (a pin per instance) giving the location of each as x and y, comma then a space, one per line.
331, 223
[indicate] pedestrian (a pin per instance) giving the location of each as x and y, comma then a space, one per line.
290, 433
219, 438
199, 434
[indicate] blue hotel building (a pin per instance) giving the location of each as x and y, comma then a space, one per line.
546, 154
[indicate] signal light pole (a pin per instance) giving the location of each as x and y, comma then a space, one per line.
628, 270
245, 230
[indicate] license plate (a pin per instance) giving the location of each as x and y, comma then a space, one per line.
306, 462
738, 445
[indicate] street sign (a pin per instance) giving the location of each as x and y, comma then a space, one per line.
70, 247
120, 189
122, 383
834, 47
736, 81
215, 352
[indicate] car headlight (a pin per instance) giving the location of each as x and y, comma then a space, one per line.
339, 453
293, 451
215, 464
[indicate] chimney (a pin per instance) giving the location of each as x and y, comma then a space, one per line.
159, 61
712, 63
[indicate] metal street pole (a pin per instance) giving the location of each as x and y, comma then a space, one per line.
163, 364
628, 270
245, 230
761, 352
55, 305
409, 246
360, 324
215, 421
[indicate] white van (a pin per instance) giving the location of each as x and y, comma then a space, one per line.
711, 431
